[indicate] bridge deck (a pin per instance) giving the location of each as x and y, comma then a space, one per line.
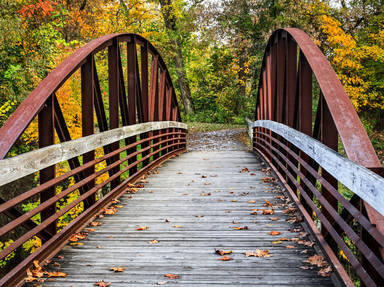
179, 193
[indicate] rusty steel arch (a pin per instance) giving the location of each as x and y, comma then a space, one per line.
135, 104
292, 63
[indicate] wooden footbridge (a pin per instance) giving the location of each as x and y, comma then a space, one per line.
145, 212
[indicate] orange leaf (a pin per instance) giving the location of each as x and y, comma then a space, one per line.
56, 274
258, 253
222, 252
142, 228
225, 258
275, 233
102, 284
241, 228
171, 276
117, 269
274, 218
268, 211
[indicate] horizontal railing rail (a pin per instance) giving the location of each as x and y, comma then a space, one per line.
301, 162
156, 141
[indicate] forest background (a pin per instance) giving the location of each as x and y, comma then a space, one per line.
213, 49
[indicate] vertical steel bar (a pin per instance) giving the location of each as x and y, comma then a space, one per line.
87, 118
113, 82
46, 126
305, 112
132, 94
144, 95
329, 137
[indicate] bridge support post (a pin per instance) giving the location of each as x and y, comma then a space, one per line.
46, 124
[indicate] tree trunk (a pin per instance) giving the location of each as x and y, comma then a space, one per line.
170, 24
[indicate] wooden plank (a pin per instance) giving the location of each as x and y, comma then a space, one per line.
188, 250
28, 163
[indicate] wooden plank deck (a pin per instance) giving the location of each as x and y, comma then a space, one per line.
175, 194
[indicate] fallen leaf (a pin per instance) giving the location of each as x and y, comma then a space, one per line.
268, 211
252, 173
282, 197
225, 258
207, 183
203, 176
166, 220
56, 274
306, 243
274, 218
119, 206
172, 276
176, 226
110, 236
275, 233
267, 179
76, 243
258, 253
244, 170
234, 200
289, 210
179, 172
227, 211
222, 252
267, 203
235, 222
150, 191
95, 223
205, 194
254, 213
199, 215
78, 236
102, 284
60, 257
154, 241
244, 193
240, 228
316, 260
284, 239
117, 269
110, 211
142, 228
325, 272
98, 246
277, 242
252, 201
90, 229
289, 246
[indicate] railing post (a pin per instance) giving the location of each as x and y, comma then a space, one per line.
46, 124
113, 81
87, 111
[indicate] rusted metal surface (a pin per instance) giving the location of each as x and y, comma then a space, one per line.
132, 103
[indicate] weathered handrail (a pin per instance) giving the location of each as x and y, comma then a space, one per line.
366, 184
17, 167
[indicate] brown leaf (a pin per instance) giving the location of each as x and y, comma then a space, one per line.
102, 284
275, 233
199, 216
222, 252
142, 228
235, 222
268, 211
258, 253
244, 170
78, 236
240, 228
234, 200
205, 194
171, 276
316, 260
289, 210
225, 258
252, 201
267, 203
274, 218
268, 179
95, 223
90, 229
306, 243
117, 269
289, 246
166, 220
325, 272
207, 183
228, 211
56, 274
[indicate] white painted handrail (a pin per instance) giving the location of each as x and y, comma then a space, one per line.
360, 180
22, 165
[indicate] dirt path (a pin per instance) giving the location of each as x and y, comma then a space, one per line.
218, 140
